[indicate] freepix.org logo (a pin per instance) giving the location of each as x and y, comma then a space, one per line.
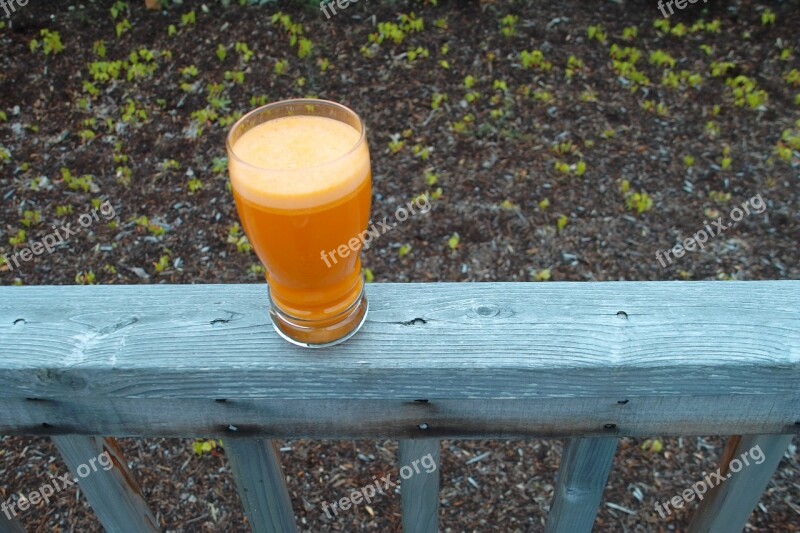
10, 6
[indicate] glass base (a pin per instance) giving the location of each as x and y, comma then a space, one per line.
320, 333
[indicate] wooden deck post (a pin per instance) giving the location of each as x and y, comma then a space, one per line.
113, 493
9, 524
582, 477
420, 491
261, 484
728, 505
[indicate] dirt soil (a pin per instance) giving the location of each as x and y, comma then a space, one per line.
579, 163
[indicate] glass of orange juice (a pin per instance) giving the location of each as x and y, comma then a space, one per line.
301, 180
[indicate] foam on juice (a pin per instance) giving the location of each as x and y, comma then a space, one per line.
299, 162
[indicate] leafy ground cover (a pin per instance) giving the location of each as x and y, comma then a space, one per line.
557, 141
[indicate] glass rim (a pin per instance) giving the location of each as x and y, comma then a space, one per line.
295, 101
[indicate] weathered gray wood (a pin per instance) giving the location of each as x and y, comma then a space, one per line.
420, 489
726, 507
112, 490
582, 476
616, 414
9, 524
448, 341
261, 484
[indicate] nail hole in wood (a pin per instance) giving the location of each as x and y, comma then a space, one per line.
622, 315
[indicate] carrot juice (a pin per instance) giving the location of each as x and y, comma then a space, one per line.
300, 174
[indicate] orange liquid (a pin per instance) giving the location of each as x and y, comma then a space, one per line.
314, 199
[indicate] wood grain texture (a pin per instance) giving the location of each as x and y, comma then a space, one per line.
256, 467
726, 507
582, 477
433, 341
556, 360
114, 494
615, 415
420, 491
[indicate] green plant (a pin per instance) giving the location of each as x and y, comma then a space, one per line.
662, 59
534, 59
508, 25
712, 129
194, 185
236, 237
411, 23
793, 77
454, 241
51, 43
768, 17
281, 66
84, 183
31, 218
122, 27
85, 278
725, 164
86, 135
304, 47
234, 76
201, 447
661, 25
574, 65
188, 18
720, 69
630, 33
20, 238
388, 31
596, 33
162, 264
422, 152
745, 92
437, 100
244, 51
395, 145
541, 275
414, 53
720, 197
99, 48
639, 202
118, 8
64, 210
369, 277
679, 30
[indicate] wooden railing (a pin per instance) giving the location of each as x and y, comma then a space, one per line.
589, 362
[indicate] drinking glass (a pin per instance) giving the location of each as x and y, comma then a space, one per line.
301, 179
